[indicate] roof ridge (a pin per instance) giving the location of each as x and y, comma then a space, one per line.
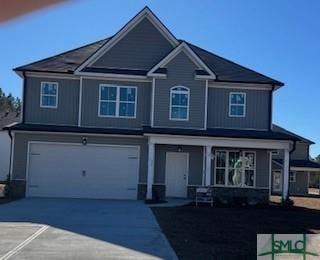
63, 53
227, 60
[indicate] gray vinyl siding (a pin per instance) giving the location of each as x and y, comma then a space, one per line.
68, 102
301, 152
90, 105
262, 167
195, 162
257, 109
300, 186
180, 71
21, 149
141, 48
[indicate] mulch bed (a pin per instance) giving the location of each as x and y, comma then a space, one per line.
230, 232
6, 200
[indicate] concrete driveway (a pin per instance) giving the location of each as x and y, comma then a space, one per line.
80, 229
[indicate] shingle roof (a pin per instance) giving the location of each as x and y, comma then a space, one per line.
221, 132
8, 118
66, 62
300, 163
277, 128
229, 71
212, 132
225, 70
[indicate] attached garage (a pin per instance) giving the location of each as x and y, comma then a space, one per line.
82, 171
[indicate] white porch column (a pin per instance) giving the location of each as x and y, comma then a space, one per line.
151, 152
208, 165
285, 189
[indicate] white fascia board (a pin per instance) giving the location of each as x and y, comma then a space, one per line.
219, 142
145, 13
190, 53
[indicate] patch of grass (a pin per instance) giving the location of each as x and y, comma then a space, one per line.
230, 232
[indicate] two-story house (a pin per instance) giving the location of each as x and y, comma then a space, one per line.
143, 114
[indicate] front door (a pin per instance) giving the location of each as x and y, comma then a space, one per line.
277, 181
177, 165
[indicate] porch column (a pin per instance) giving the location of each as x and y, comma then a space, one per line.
208, 165
151, 151
285, 189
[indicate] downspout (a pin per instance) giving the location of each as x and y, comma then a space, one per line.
10, 159
290, 152
23, 96
270, 107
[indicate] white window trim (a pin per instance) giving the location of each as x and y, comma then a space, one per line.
227, 169
293, 174
244, 104
186, 91
56, 95
117, 101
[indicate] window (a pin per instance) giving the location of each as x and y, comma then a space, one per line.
116, 101
235, 168
179, 103
237, 104
49, 95
292, 177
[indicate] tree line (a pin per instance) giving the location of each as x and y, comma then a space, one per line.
9, 103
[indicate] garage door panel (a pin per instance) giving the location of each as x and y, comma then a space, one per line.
83, 171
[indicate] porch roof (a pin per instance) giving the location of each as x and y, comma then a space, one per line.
222, 132
300, 164
210, 132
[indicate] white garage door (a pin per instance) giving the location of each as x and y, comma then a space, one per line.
78, 171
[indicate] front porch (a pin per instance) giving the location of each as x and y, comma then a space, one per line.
233, 167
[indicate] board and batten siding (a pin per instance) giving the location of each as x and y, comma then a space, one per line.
68, 102
90, 105
180, 72
141, 48
21, 149
257, 109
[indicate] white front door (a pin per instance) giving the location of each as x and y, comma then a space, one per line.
177, 165
277, 181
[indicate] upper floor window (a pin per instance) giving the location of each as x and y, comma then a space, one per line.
237, 104
179, 103
49, 95
117, 101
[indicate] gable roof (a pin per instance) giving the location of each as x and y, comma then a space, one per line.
300, 163
183, 47
75, 60
280, 129
8, 118
145, 13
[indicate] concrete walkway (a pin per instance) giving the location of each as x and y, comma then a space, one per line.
80, 229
